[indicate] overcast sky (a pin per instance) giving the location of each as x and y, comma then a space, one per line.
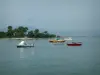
61, 15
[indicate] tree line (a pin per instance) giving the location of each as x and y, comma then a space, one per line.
25, 32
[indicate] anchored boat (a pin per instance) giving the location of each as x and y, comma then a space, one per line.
74, 44
57, 40
24, 44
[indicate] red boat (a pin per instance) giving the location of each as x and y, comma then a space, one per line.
74, 44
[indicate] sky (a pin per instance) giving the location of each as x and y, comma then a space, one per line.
52, 15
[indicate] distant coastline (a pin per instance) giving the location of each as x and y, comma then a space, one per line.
21, 32
26, 38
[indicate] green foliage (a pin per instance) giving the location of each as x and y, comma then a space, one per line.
2, 34
10, 31
30, 34
20, 31
23, 31
36, 31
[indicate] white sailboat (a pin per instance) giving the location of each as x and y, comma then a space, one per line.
24, 44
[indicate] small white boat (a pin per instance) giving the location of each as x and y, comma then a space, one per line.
24, 44
68, 39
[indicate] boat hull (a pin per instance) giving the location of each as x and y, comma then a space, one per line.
57, 41
23, 46
74, 44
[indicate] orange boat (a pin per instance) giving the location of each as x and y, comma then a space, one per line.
56, 41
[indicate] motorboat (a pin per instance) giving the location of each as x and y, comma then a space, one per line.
56, 41
74, 44
24, 44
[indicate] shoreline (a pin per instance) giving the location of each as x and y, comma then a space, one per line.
25, 38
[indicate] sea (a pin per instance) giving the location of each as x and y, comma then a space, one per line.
48, 59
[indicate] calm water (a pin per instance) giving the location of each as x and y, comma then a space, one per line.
48, 59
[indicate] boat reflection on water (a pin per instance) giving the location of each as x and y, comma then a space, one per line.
21, 52
32, 52
58, 43
25, 52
